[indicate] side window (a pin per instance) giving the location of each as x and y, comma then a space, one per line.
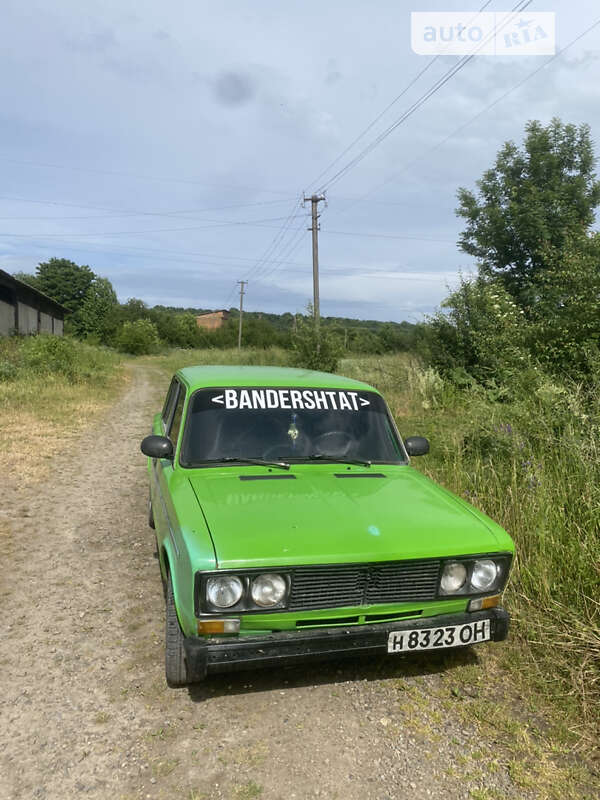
173, 432
169, 403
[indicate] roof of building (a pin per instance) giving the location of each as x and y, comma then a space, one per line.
209, 313
235, 375
25, 290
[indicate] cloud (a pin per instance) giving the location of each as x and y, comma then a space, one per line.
198, 106
233, 88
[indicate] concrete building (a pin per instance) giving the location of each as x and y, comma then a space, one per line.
212, 319
25, 310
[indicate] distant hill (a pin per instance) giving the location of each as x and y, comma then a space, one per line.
285, 322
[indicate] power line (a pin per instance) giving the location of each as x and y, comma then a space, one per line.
293, 245
474, 117
230, 295
213, 224
122, 174
119, 213
277, 241
259, 264
414, 107
179, 256
389, 236
398, 97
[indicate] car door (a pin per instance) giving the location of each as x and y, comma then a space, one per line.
163, 469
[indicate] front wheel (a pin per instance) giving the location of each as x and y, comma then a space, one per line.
175, 665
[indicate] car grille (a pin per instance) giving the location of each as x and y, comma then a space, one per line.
341, 585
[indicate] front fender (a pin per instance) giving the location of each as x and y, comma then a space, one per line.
187, 547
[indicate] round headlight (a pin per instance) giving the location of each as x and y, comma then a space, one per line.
268, 590
224, 591
453, 577
484, 574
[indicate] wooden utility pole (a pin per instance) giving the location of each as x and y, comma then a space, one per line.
241, 284
314, 201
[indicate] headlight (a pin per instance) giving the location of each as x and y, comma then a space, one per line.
224, 591
484, 574
268, 590
453, 577
468, 576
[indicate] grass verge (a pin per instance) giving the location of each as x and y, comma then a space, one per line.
50, 389
530, 460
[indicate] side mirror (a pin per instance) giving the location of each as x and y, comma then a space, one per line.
157, 447
416, 445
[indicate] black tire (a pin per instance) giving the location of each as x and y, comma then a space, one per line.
150, 515
175, 666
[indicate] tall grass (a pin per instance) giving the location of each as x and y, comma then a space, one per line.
531, 460
177, 358
50, 388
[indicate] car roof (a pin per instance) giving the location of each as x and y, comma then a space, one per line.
236, 375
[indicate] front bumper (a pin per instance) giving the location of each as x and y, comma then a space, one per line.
227, 654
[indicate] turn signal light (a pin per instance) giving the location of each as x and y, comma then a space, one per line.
212, 626
481, 603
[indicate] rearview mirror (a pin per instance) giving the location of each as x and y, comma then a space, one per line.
416, 445
157, 447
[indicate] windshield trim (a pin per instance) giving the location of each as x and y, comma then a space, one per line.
399, 441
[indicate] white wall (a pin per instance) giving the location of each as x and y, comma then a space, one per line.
7, 318
58, 327
28, 318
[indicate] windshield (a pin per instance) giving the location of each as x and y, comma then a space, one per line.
288, 424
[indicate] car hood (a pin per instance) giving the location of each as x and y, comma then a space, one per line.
310, 516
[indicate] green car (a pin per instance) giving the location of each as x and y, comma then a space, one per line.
290, 526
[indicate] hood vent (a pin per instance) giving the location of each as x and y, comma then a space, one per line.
359, 475
267, 477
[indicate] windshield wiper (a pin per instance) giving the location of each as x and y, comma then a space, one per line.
259, 462
339, 460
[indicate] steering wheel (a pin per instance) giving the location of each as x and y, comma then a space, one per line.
333, 443
249, 437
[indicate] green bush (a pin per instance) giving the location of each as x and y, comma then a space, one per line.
48, 355
480, 332
315, 347
138, 338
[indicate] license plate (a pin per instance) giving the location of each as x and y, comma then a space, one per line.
437, 638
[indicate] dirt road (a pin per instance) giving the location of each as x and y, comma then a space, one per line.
85, 709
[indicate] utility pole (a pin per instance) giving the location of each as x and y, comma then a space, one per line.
241, 284
314, 201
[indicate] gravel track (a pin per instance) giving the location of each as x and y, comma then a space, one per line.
85, 709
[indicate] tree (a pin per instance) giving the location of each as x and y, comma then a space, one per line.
565, 320
538, 196
64, 281
96, 315
139, 337
26, 277
134, 309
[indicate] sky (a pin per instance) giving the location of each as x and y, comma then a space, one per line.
169, 145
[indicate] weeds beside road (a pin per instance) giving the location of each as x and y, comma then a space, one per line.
51, 388
531, 460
